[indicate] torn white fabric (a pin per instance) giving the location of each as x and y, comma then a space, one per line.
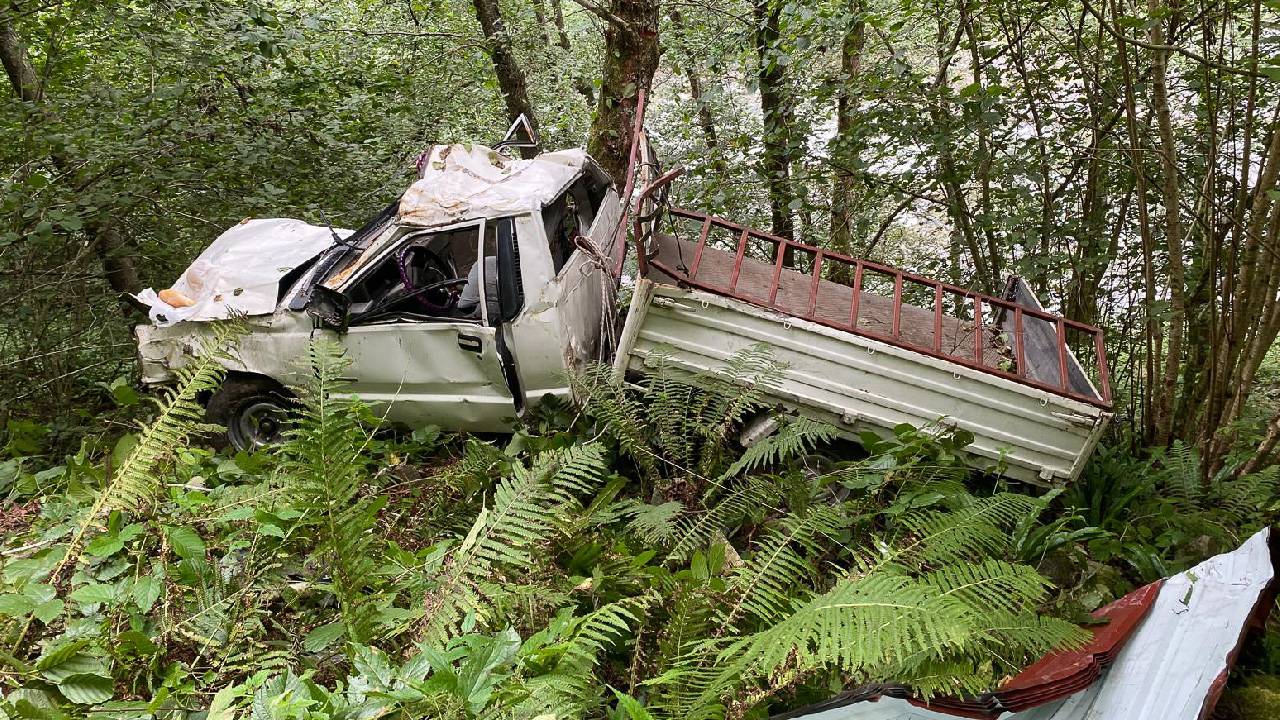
241, 271
469, 182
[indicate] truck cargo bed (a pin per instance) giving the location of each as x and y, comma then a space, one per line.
860, 355
857, 384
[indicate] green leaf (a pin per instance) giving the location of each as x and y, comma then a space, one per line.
94, 593
131, 531
146, 590
271, 530
323, 636
15, 605
87, 689
138, 642
60, 664
50, 609
185, 542
105, 545
221, 707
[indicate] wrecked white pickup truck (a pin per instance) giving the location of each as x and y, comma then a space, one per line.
469, 299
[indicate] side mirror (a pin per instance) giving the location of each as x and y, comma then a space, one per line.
510, 284
331, 309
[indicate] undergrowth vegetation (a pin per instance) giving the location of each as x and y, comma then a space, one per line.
628, 560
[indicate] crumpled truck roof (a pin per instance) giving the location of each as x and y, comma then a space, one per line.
1164, 655
472, 182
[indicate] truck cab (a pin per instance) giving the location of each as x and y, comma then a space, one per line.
466, 301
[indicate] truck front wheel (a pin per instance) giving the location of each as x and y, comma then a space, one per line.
256, 412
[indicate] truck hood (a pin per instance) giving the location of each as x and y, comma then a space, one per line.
240, 273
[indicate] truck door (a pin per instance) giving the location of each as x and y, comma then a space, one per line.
420, 341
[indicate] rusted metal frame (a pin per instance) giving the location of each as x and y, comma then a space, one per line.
1029, 382
642, 255
702, 244
737, 262
1019, 352
629, 186
861, 264
813, 286
937, 318
857, 294
1062, 354
897, 305
781, 250
886, 269
1104, 379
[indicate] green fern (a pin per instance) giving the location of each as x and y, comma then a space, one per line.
572, 687
523, 515
323, 470
795, 437
931, 611
134, 484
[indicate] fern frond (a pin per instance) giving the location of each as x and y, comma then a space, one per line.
976, 530
134, 483
695, 531
323, 470
524, 514
653, 524
780, 571
133, 486
569, 689
795, 437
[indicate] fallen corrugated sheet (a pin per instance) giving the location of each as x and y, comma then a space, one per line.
1164, 655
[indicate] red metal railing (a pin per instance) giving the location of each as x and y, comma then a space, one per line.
633, 164
858, 269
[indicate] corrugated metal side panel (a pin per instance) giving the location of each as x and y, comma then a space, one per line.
858, 384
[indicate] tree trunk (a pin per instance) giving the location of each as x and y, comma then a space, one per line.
1173, 231
777, 111
511, 80
13, 53
705, 119
557, 13
845, 147
114, 251
630, 60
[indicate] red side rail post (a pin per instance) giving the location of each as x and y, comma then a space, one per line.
813, 286
1021, 366
702, 244
897, 304
642, 255
937, 318
979, 330
1062, 354
857, 295
737, 261
777, 271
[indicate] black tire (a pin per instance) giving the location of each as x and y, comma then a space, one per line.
256, 412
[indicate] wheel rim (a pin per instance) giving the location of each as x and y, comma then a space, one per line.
258, 424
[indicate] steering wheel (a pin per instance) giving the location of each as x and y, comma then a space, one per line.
437, 286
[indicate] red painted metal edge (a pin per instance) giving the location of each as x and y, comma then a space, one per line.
1019, 374
620, 236
1060, 674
